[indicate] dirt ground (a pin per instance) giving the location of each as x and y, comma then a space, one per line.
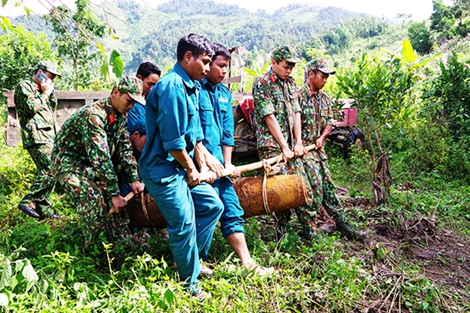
442, 255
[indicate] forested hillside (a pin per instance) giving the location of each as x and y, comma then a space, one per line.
152, 33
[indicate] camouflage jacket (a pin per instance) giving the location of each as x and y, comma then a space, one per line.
272, 95
316, 114
36, 114
87, 141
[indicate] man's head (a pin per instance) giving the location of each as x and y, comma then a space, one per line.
126, 93
49, 68
318, 72
194, 53
218, 66
137, 130
283, 61
149, 74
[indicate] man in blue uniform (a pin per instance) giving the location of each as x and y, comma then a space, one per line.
174, 137
217, 124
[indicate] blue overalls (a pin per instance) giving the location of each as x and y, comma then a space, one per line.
217, 124
172, 123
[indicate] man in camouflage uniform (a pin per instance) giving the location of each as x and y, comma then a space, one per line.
278, 127
36, 103
81, 160
317, 124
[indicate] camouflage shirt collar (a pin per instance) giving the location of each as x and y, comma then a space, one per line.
273, 78
108, 108
310, 93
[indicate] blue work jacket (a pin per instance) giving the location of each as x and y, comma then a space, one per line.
172, 123
216, 118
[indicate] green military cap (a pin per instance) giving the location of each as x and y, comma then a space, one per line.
321, 65
285, 53
133, 87
49, 66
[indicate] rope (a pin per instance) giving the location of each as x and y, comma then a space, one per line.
269, 170
144, 208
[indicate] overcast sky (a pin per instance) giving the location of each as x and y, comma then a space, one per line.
419, 9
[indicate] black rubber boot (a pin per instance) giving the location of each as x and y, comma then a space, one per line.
347, 230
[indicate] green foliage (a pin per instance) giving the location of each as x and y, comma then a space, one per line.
113, 68
75, 36
451, 21
20, 53
420, 37
451, 90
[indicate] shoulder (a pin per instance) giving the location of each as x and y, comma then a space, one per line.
326, 97
302, 89
24, 86
262, 81
291, 81
92, 113
170, 80
224, 91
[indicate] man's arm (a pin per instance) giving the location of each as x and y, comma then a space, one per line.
325, 133
97, 150
27, 100
227, 153
183, 158
275, 130
212, 162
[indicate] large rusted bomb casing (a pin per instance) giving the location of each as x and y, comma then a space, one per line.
283, 192
145, 216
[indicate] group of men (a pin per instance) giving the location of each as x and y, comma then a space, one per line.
180, 130
288, 120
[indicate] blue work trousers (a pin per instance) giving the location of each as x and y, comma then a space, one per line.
191, 215
231, 220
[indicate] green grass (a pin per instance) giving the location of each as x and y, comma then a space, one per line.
45, 268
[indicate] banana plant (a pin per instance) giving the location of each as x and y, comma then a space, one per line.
112, 67
382, 89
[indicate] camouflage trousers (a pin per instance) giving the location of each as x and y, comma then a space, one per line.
319, 178
92, 204
306, 214
43, 184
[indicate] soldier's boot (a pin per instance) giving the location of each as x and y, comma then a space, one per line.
347, 230
29, 210
43, 208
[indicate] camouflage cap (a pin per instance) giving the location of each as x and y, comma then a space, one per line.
49, 66
133, 87
321, 65
285, 53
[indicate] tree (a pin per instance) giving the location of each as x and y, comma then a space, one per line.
382, 91
420, 37
20, 53
76, 35
442, 20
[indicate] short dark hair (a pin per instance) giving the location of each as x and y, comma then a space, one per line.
220, 49
147, 68
195, 43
